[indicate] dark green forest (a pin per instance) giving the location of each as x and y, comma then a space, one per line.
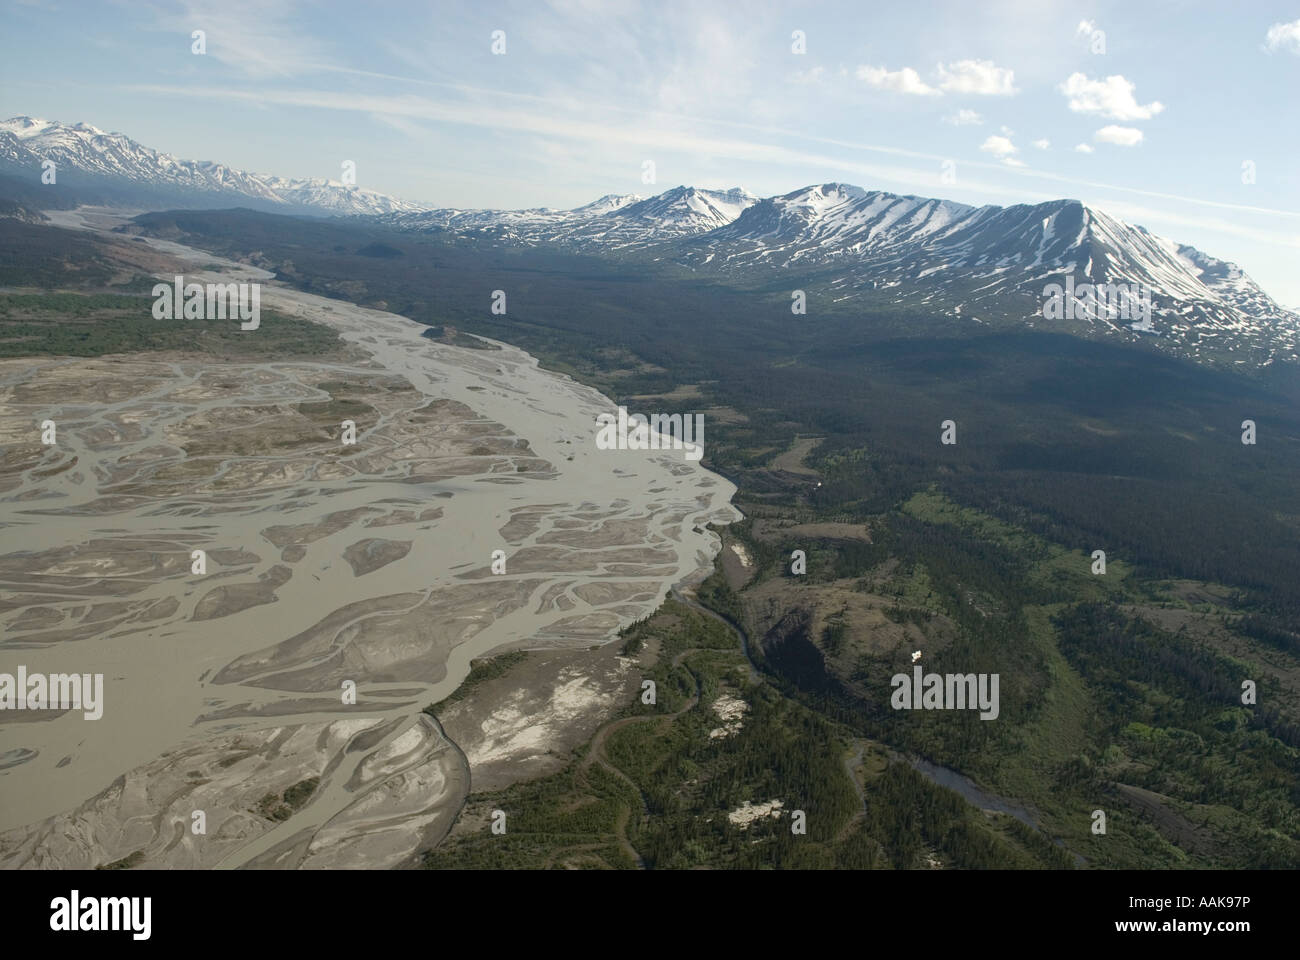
1121, 693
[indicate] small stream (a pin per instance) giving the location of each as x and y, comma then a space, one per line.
964, 785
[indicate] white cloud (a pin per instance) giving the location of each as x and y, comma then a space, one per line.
1043, 144
1007, 131
981, 77
976, 76
964, 118
905, 80
1082, 148
1085, 28
998, 146
1112, 97
1283, 36
1120, 136
1013, 162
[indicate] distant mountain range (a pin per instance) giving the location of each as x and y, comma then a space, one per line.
846, 246
98, 167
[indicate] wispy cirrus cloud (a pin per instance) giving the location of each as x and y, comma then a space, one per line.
645, 133
813, 75
541, 115
258, 39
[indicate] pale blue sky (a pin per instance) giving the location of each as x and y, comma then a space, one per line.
713, 94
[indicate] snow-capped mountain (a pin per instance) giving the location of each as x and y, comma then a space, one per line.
998, 261
687, 211
850, 247
829, 220
613, 222
97, 166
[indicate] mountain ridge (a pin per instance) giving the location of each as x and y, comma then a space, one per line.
910, 250
97, 162
844, 244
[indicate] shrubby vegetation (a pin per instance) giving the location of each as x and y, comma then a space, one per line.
92, 325
479, 671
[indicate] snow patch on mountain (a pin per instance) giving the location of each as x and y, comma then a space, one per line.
87, 156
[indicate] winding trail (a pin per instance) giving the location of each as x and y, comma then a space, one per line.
596, 754
851, 763
725, 621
